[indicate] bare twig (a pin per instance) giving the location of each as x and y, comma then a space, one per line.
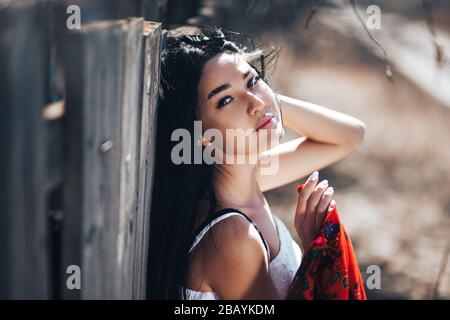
441, 59
435, 294
313, 12
248, 13
379, 46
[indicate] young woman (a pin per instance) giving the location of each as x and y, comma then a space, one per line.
212, 233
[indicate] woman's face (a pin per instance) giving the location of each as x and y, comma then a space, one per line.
232, 96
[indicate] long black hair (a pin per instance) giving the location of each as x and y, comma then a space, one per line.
178, 189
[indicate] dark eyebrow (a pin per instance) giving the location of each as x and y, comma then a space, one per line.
225, 86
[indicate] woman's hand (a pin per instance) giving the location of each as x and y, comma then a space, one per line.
314, 203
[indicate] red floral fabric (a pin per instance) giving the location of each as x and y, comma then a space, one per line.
329, 269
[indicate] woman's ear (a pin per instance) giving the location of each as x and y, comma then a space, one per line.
205, 142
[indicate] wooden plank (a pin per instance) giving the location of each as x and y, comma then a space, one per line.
23, 218
131, 105
95, 93
149, 99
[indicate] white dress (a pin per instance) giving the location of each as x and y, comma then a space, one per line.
282, 268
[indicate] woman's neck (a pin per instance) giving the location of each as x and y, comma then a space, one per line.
236, 186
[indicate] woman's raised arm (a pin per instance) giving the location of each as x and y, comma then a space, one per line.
328, 136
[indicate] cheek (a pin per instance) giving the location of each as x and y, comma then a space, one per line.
210, 121
235, 117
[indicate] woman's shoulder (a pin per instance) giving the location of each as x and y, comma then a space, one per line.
235, 254
230, 240
232, 235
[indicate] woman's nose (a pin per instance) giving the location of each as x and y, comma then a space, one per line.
255, 104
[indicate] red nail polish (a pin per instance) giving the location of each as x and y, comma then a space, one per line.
300, 187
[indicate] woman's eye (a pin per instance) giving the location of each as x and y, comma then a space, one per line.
224, 101
253, 81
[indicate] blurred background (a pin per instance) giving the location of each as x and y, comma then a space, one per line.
393, 73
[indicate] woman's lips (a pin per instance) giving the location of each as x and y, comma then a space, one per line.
266, 122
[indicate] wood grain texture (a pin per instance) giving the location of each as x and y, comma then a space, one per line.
149, 100
23, 218
101, 107
131, 106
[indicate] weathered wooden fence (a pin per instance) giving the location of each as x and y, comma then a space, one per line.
77, 131
108, 100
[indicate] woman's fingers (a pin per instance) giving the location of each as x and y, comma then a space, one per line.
325, 199
314, 204
305, 192
316, 195
316, 199
324, 206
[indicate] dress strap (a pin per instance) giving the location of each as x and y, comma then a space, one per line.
219, 216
